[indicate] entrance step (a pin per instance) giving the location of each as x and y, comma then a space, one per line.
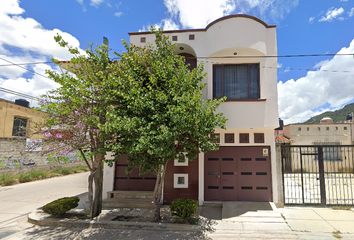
131, 199
131, 194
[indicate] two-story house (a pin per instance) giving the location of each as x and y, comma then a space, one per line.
238, 55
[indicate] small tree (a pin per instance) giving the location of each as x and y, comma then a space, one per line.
76, 110
162, 115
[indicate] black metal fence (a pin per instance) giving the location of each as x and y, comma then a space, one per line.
318, 174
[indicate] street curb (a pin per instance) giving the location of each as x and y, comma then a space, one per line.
51, 221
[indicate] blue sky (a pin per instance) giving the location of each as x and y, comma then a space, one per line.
306, 85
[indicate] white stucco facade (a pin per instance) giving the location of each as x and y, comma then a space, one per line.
234, 39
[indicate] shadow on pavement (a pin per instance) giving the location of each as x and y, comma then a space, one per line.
235, 209
107, 234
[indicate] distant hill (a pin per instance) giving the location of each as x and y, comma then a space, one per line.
337, 116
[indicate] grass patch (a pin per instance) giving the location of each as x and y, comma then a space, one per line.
341, 207
32, 176
337, 234
7, 179
62, 170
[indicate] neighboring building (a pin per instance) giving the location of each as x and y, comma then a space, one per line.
324, 133
15, 117
233, 50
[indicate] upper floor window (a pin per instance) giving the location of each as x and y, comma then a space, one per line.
239, 81
345, 128
19, 127
308, 129
299, 129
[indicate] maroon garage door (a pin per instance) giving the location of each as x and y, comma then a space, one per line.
132, 181
238, 174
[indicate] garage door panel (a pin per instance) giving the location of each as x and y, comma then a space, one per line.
212, 193
245, 174
255, 194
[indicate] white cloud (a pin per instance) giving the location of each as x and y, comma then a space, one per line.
29, 42
330, 85
351, 12
36, 86
29, 35
320, 64
344, 0
80, 1
96, 3
13, 71
118, 4
279, 65
332, 13
118, 14
311, 19
166, 24
183, 12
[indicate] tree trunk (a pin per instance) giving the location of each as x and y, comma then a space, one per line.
97, 179
158, 192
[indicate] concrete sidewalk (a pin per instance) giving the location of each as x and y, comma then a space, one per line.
316, 219
235, 220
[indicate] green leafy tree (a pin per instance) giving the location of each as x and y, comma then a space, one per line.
76, 111
162, 115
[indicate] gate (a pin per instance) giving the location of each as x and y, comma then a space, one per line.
318, 174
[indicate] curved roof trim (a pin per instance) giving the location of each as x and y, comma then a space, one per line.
239, 15
211, 24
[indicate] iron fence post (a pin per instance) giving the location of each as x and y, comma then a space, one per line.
321, 173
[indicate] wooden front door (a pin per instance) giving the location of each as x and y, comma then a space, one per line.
132, 181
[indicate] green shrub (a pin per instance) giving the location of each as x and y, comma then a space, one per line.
32, 176
62, 170
61, 206
7, 179
81, 168
184, 208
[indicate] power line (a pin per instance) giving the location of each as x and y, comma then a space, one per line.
14, 64
287, 56
25, 68
310, 69
19, 94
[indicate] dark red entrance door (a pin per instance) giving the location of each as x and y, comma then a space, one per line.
132, 181
220, 175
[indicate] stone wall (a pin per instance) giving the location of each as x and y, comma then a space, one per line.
13, 154
25, 169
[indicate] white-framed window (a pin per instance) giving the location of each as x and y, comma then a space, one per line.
181, 161
236, 81
180, 180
